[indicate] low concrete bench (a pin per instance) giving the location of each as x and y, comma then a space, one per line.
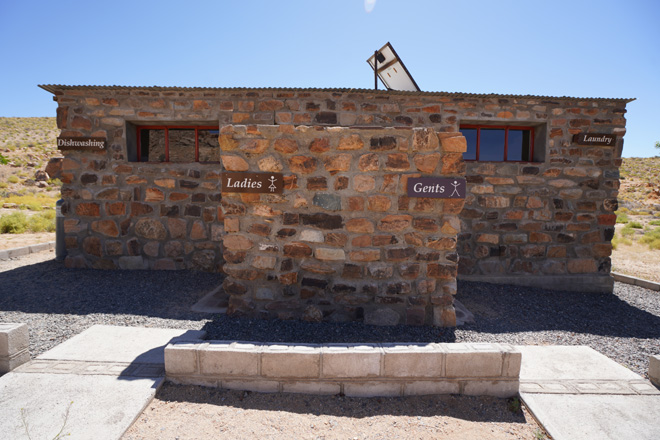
360, 370
14, 344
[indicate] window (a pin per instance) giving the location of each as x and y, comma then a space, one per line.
498, 143
177, 144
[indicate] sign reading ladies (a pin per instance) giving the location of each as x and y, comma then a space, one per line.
268, 183
437, 187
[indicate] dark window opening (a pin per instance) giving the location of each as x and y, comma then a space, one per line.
177, 144
498, 144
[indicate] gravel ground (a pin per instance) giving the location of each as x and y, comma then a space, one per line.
58, 303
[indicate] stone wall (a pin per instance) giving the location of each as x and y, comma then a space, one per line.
140, 216
544, 223
343, 239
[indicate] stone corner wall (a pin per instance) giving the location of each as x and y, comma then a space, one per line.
548, 224
545, 224
343, 241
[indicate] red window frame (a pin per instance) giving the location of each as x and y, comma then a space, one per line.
506, 129
167, 138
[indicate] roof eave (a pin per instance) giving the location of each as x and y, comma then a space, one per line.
59, 89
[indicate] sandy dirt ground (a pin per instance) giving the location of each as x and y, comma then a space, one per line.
10, 241
189, 412
637, 260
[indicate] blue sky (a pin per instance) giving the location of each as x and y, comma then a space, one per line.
576, 48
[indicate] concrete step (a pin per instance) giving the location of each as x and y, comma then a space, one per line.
94, 385
577, 393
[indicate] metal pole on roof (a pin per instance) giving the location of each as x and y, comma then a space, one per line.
375, 70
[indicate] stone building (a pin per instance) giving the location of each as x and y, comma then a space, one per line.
343, 237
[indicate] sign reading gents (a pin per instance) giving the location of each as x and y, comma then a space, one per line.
595, 139
81, 143
437, 187
269, 183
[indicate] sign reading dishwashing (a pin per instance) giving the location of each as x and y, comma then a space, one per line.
436, 187
269, 183
607, 140
82, 143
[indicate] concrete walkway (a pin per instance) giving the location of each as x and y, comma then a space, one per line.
577, 393
98, 382
95, 384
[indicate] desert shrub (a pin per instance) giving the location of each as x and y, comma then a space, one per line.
635, 225
30, 200
4, 184
622, 217
13, 179
34, 206
652, 239
627, 231
41, 222
18, 223
618, 240
14, 223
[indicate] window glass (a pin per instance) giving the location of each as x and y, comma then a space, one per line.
182, 144
526, 145
491, 144
471, 139
209, 150
152, 143
515, 145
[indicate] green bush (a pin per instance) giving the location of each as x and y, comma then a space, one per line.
636, 225
616, 241
622, 217
654, 223
42, 222
627, 231
13, 179
18, 223
14, 223
651, 238
34, 206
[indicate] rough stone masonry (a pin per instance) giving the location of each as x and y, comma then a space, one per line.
344, 238
547, 222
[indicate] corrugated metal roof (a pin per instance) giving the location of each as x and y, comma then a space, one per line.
59, 88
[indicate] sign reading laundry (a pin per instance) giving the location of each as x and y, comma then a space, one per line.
81, 143
269, 183
436, 187
595, 139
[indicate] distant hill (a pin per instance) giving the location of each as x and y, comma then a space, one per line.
640, 183
26, 146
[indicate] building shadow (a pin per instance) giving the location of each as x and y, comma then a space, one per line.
469, 408
49, 287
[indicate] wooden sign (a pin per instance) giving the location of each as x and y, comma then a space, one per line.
82, 143
607, 140
269, 183
437, 187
